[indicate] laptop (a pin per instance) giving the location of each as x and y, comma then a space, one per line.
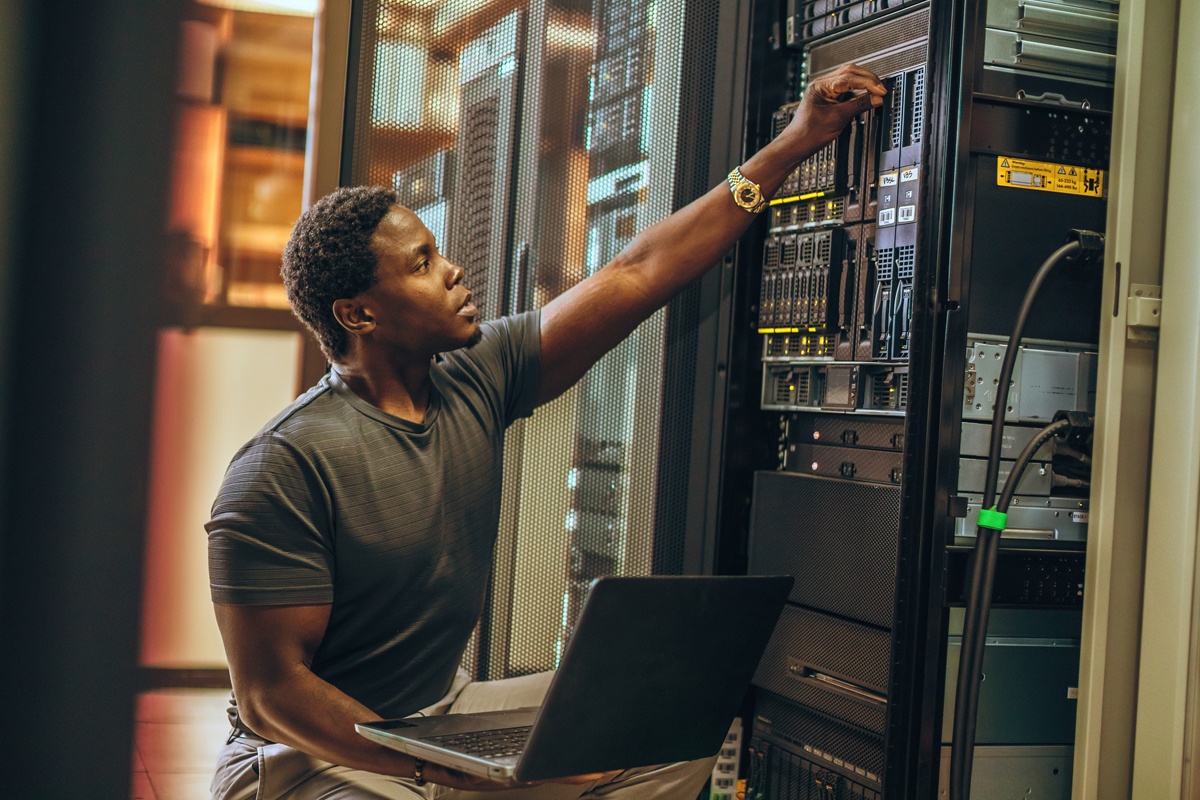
654, 673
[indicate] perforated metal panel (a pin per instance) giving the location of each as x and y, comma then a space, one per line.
830, 745
835, 647
535, 140
838, 537
782, 771
883, 49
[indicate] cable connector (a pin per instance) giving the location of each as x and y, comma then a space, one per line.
1078, 431
1091, 246
1076, 421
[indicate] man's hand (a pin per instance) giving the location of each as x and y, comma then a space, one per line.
830, 103
453, 779
590, 318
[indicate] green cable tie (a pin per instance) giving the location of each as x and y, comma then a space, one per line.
991, 518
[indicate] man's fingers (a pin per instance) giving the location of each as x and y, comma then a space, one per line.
454, 779
872, 80
873, 83
866, 102
847, 80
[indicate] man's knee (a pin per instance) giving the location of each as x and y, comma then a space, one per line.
681, 781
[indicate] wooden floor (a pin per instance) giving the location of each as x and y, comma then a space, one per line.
179, 732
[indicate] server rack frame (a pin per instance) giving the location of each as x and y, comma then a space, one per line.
916, 660
929, 505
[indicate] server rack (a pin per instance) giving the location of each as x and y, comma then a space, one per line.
879, 298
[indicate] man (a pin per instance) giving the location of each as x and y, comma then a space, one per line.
352, 538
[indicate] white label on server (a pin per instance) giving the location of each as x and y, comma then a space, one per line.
907, 213
887, 216
909, 174
1079, 516
889, 178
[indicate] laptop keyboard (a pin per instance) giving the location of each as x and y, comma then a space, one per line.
485, 744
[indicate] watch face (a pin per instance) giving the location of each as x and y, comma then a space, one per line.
748, 195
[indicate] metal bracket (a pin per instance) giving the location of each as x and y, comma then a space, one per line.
1143, 315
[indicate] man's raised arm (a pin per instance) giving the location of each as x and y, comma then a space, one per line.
588, 320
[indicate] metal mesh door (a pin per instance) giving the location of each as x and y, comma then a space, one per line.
535, 140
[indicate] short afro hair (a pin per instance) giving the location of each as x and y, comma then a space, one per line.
329, 257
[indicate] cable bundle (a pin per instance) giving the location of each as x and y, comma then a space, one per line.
1073, 432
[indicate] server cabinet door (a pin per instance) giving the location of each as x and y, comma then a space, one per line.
535, 144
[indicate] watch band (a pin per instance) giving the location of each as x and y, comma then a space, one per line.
735, 177
418, 771
737, 181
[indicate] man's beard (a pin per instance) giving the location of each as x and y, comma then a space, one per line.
476, 337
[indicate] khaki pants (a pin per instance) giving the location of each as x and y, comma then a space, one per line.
249, 769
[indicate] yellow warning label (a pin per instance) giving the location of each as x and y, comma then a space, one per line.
1043, 176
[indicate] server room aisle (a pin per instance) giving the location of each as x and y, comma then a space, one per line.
179, 732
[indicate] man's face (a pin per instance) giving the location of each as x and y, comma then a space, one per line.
419, 304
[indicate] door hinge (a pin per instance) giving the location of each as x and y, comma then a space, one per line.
1143, 315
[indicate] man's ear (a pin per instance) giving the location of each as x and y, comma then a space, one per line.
352, 315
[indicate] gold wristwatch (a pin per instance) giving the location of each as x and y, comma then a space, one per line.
746, 193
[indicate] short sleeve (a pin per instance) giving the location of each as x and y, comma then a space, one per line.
269, 539
509, 355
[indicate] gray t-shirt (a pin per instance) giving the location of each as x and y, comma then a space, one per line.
392, 522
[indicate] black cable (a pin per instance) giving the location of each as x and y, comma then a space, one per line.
1010, 359
1023, 459
982, 576
972, 650
987, 540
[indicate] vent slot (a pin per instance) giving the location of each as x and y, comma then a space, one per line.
478, 149
895, 135
781, 118
802, 395
884, 264
783, 389
824, 248
788, 252
905, 261
882, 395
783, 308
771, 254
806, 250
800, 303
916, 104
784, 215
